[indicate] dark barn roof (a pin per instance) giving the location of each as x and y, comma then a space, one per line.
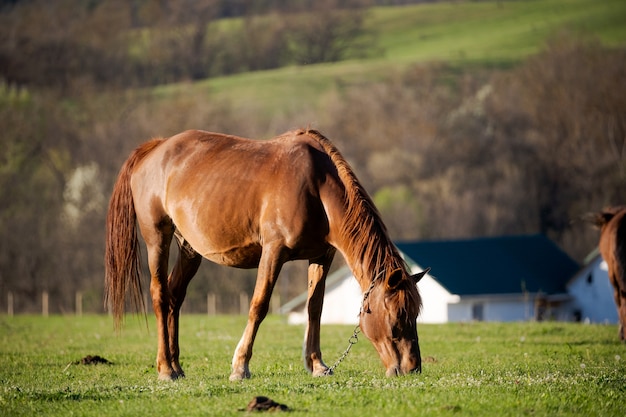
495, 265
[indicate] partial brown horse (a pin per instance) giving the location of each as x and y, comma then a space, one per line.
256, 204
612, 224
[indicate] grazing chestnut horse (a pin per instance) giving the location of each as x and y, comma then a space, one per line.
256, 204
612, 225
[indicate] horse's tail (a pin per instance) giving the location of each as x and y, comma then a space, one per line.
122, 254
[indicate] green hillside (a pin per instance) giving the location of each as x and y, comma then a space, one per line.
490, 31
461, 33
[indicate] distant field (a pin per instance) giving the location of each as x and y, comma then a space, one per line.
474, 369
458, 32
491, 31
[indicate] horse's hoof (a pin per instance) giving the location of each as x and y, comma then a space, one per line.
239, 375
320, 372
170, 375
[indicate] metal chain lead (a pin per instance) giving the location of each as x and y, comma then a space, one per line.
355, 334
352, 341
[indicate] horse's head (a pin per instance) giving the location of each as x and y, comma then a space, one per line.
388, 319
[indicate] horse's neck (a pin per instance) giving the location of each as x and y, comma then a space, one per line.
364, 272
356, 229
363, 277
367, 262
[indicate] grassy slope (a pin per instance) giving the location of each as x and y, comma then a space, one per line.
491, 31
463, 33
480, 369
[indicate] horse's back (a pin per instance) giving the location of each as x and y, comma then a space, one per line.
227, 195
202, 149
226, 163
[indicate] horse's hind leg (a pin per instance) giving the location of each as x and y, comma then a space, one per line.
158, 236
186, 267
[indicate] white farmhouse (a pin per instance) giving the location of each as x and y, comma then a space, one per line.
509, 278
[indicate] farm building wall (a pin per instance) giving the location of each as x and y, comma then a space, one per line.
435, 299
593, 294
489, 309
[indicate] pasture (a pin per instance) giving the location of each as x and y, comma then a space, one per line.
482, 369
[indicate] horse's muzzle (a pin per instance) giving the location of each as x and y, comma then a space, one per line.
396, 371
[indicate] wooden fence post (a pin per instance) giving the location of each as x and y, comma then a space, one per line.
276, 303
10, 304
44, 303
243, 303
210, 304
79, 303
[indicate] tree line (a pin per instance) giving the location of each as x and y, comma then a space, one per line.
120, 44
524, 150
446, 152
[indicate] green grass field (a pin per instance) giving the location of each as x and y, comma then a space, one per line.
481, 369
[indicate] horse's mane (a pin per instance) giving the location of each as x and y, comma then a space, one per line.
363, 232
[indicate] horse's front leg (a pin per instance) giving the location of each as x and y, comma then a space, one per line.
271, 262
318, 270
619, 295
621, 311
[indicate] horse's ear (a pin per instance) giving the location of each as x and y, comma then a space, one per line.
598, 219
394, 278
417, 277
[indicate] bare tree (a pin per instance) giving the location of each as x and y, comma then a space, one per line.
330, 31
